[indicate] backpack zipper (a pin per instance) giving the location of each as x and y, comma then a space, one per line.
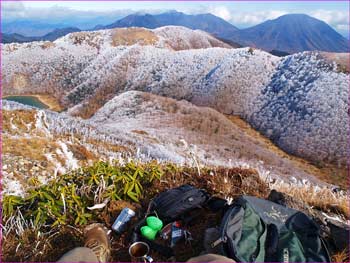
219, 241
223, 238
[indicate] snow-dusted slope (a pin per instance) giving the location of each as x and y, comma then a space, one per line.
226, 79
184, 132
304, 109
57, 66
182, 38
137, 125
298, 101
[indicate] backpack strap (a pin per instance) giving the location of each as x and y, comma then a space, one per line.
271, 243
216, 204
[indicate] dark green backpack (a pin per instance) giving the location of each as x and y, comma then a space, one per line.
257, 230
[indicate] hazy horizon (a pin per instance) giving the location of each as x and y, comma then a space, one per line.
86, 15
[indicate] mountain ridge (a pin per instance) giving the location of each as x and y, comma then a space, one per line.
293, 33
51, 36
289, 33
206, 22
85, 70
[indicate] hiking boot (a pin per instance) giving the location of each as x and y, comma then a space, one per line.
97, 240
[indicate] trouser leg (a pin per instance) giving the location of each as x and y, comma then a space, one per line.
210, 258
79, 254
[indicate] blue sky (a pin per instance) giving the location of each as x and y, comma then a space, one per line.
240, 14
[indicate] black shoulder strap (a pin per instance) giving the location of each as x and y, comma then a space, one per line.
216, 204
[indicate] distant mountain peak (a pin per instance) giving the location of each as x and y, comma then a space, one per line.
206, 22
292, 33
173, 11
294, 15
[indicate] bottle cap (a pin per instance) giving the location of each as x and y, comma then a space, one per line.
154, 222
130, 211
148, 232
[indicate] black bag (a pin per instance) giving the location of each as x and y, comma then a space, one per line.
175, 203
257, 230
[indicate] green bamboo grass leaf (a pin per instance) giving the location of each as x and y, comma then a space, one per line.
38, 217
45, 205
60, 221
138, 189
133, 196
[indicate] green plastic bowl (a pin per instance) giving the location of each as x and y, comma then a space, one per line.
148, 232
154, 222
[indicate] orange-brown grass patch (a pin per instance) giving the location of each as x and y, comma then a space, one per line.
140, 132
89, 38
110, 147
131, 36
81, 153
329, 173
320, 198
47, 45
342, 256
222, 182
32, 148
44, 247
334, 174
95, 102
19, 119
50, 101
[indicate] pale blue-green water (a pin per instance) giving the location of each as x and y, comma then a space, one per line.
28, 100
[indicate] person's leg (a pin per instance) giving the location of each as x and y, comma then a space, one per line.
96, 247
210, 258
79, 254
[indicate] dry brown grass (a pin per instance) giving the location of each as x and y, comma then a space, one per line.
47, 45
89, 38
131, 36
32, 148
329, 173
40, 248
35, 146
81, 153
50, 101
19, 119
320, 198
140, 132
95, 102
110, 147
342, 256
341, 59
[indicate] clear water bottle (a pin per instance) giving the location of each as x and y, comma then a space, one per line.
121, 221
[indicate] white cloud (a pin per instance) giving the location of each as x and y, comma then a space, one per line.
12, 9
61, 14
12, 6
236, 17
222, 12
332, 17
253, 18
337, 19
342, 27
16, 9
